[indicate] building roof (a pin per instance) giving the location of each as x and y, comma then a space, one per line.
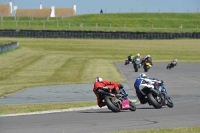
5, 10
64, 12
33, 12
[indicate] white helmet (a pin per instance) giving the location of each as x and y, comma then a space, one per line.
98, 79
142, 75
176, 60
148, 56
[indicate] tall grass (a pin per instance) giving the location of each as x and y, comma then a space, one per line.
141, 22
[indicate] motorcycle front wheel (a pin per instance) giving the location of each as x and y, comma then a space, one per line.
170, 104
132, 106
114, 107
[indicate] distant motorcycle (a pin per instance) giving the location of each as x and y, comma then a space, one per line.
137, 64
171, 65
147, 65
116, 103
128, 60
157, 96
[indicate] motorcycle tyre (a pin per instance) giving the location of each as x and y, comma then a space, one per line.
126, 62
132, 106
136, 68
110, 105
170, 104
145, 69
153, 101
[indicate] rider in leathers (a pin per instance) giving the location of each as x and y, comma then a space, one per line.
99, 82
142, 81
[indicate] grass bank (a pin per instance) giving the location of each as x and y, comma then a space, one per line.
71, 61
135, 22
40, 62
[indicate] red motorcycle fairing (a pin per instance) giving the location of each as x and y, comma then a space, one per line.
101, 85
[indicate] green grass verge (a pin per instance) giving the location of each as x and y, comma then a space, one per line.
166, 130
2, 42
39, 62
136, 22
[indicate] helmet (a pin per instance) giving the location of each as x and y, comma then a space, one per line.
176, 60
98, 79
142, 75
138, 54
148, 56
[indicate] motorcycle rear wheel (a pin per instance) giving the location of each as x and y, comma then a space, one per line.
153, 101
113, 107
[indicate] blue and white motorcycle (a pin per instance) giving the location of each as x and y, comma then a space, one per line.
156, 94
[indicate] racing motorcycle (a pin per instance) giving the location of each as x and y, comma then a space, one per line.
171, 65
156, 95
128, 60
116, 102
147, 65
137, 64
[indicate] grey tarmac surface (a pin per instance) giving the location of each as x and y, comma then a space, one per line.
181, 82
55, 94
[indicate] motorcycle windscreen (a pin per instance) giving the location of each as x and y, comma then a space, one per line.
125, 104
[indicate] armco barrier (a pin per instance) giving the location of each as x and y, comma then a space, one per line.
96, 34
9, 46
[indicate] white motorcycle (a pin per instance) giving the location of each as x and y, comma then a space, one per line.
156, 94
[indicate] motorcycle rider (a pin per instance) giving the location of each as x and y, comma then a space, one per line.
137, 56
130, 57
176, 62
99, 82
134, 59
142, 81
147, 58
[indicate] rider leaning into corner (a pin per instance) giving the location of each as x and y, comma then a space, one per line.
176, 62
99, 82
130, 57
141, 82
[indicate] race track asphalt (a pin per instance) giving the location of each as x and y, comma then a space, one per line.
181, 82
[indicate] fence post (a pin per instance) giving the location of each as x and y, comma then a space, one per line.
96, 25
181, 27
